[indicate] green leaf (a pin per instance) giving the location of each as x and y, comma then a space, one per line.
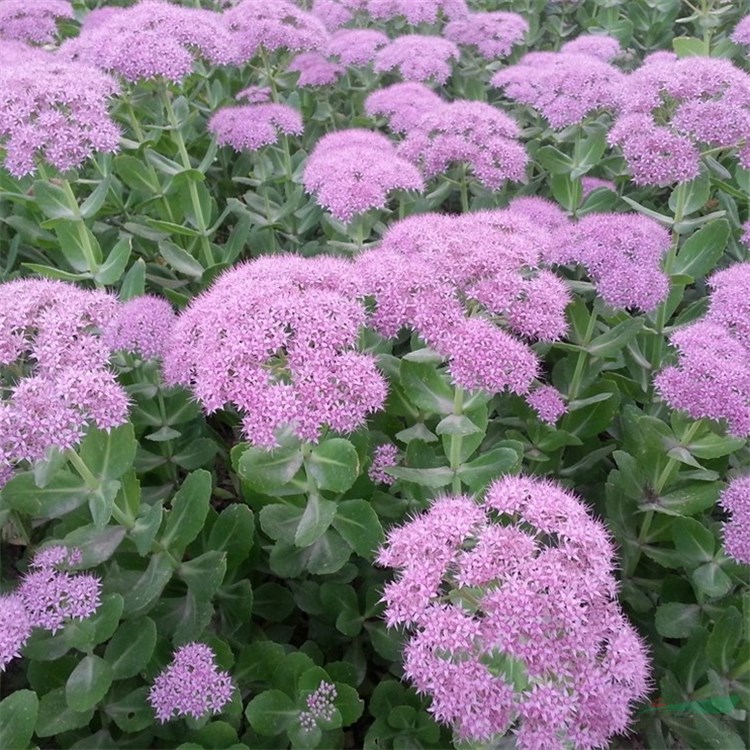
189, 511
334, 465
55, 716
271, 712
554, 160
232, 533
483, 469
101, 502
329, 554
204, 574
677, 620
567, 191
688, 500
64, 493
348, 703
90, 207
132, 713
439, 476
180, 259
686, 46
134, 281
701, 253
88, 683
54, 202
105, 620
136, 175
18, 713
315, 520
108, 455
612, 342
280, 521
131, 648
426, 388
714, 446
146, 527
693, 541
359, 525
695, 194
257, 662
593, 418
267, 471
114, 266
340, 601
724, 641
149, 586
457, 424
711, 580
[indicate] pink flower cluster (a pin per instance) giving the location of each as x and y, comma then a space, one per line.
54, 110
356, 46
276, 339
451, 279
336, 13
493, 34
595, 45
253, 126
192, 685
315, 69
352, 171
521, 583
736, 501
415, 11
548, 403
141, 326
320, 707
152, 39
384, 457
35, 21
468, 132
741, 33
672, 109
418, 58
711, 378
46, 598
564, 87
403, 104
49, 335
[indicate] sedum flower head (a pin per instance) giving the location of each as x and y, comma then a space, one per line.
415, 11
548, 403
276, 339
315, 69
352, 171
142, 326
273, 25
741, 33
384, 457
523, 580
472, 133
418, 58
336, 13
735, 500
152, 39
493, 34
564, 87
55, 111
15, 628
192, 685
602, 46
356, 46
320, 707
404, 105
252, 126
35, 21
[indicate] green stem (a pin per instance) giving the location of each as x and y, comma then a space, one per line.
83, 235
575, 383
200, 219
464, 187
454, 453
80, 466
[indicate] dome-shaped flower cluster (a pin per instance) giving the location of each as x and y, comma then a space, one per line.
493, 34
35, 21
596, 45
336, 13
415, 12
736, 501
356, 46
418, 58
315, 69
253, 126
141, 326
403, 104
741, 33
512, 618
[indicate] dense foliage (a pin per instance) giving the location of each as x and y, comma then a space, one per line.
374, 374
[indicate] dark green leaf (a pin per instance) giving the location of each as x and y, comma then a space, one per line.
693, 541
358, 523
204, 574
426, 388
439, 476
88, 683
189, 511
232, 533
334, 465
482, 470
701, 252
18, 713
677, 620
149, 586
131, 647
55, 717
271, 712
267, 471
315, 520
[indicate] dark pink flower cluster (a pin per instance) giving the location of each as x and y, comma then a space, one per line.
472, 133
492, 34
141, 326
315, 69
521, 583
35, 21
404, 105
192, 685
276, 338
736, 501
418, 58
46, 598
272, 24
564, 87
711, 378
672, 109
253, 126
352, 171
622, 254
49, 337
356, 46
452, 279
415, 11
152, 39
56, 111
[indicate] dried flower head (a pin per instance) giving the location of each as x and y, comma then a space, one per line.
152, 39
142, 326
403, 104
56, 111
192, 685
276, 338
356, 46
15, 628
253, 126
735, 500
564, 87
352, 171
493, 34
418, 58
512, 617
415, 11
35, 21
315, 69
472, 133
603, 46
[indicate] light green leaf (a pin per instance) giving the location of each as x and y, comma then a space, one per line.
189, 511
18, 714
315, 520
131, 648
334, 465
359, 525
88, 683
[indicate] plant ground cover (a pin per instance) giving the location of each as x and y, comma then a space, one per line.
374, 374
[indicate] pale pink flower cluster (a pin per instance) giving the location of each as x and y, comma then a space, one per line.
320, 707
564, 87
404, 105
741, 33
736, 501
673, 109
468, 132
603, 46
418, 58
152, 39
711, 378
56, 111
384, 457
315, 69
452, 279
524, 581
32, 21
252, 126
548, 403
352, 171
356, 46
492, 34
46, 598
276, 338
49, 333
589, 184
416, 11
192, 685
141, 326
336, 13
